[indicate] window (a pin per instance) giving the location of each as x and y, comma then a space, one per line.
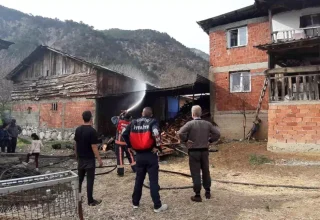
237, 37
240, 82
310, 21
54, 106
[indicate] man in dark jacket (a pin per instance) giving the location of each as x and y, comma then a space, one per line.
143, 136
122, 122
4, 137
14, 131
197, 134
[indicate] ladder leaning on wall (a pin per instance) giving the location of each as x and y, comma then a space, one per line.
262, 95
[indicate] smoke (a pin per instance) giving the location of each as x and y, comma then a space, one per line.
142, 88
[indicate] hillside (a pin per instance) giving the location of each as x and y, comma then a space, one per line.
147, 54
201, 54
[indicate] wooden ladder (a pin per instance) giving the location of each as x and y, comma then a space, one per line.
262, 95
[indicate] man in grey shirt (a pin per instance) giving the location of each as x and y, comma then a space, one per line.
197, 134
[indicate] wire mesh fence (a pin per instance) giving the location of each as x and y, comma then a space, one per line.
50, 196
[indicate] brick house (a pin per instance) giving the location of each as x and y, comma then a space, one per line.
51, 89
236, 68
283, 40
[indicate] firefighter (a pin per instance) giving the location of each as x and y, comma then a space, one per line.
121, 123
143, 136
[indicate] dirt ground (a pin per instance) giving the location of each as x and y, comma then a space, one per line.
230, 163
229, 201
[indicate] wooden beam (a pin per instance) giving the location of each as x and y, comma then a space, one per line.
299, 69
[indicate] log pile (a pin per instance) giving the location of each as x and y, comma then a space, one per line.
169, 137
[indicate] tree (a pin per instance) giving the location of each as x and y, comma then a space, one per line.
243, 95
6, 64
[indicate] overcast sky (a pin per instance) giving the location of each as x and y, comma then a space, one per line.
175, 17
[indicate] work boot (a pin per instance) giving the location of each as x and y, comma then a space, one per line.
196, 198
208, 195
164, 207
120, 172
95, 202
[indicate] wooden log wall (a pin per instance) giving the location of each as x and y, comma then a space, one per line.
54, 75
110, 83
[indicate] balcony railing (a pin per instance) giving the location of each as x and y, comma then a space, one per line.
295, 34
294, 87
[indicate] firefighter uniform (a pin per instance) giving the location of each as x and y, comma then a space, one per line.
143, 135
120, 145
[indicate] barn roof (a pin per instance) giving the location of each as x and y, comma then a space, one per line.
197, 80
39, 52
5, 44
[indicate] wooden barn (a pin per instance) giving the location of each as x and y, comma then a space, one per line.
51, 89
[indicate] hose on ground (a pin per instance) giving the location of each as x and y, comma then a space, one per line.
189, 176
232, 182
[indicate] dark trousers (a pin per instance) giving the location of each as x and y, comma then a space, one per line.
87, 167
199, 161
147, 162
120, 150
3, 145
12, 145
36, 158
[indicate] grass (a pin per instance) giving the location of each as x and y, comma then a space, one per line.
255, 159
22, 142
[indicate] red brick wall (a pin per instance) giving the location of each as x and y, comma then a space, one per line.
70, 117
50, 118
294, 124
74, 110
227, 101
221, 56
258, 33
24, 107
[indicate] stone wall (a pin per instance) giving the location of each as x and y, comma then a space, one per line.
231, 125
294, 127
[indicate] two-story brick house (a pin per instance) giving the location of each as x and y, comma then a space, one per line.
236, 68
280, 40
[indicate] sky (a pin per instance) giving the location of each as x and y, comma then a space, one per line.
176, 17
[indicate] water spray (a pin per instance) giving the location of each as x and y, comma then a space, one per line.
143, 93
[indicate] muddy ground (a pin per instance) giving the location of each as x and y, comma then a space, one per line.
233, 162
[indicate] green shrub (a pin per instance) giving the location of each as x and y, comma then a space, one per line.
255, 159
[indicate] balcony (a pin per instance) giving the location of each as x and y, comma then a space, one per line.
294, 84
295, 34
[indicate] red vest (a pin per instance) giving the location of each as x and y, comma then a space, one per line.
141, 138
122, 124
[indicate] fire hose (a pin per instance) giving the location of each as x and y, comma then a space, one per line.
189, 176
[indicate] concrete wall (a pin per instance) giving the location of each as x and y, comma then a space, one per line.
42, 119
231, 124
224, 60
294, 127
291, 19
